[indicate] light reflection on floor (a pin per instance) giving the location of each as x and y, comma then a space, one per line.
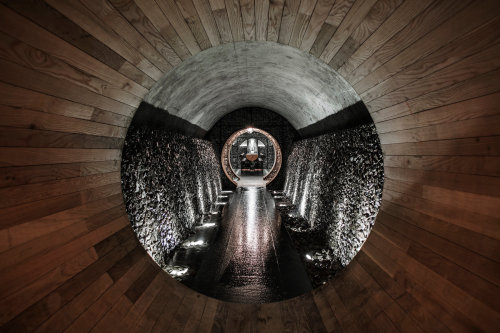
243, 254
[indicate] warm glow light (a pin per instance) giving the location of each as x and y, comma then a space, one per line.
252, 235
177, 271
207, 225
194, 243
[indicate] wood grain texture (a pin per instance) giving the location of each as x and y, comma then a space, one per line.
392, 25
337, 13
350, 22
190, 15
87, 20
302, 22
274, 23
143, 25
289, 14
235, 20
72, 74
39, 38
399, 50
318, 17
162, 24
247, 8
261, 19
170, 10
377, 15
207, 19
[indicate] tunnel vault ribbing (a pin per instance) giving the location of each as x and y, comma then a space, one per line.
72, 74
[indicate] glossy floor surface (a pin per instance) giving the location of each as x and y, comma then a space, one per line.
245, 255
246, 181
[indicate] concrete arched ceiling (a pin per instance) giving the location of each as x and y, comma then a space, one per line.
222, 79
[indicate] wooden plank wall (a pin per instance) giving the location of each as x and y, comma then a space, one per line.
72, 74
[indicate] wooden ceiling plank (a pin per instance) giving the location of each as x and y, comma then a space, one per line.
451, 214
110, 16
321, 12
143, 25
274, 20
53, 261
38, 156
335, 17
289, 14
19, 137
21, 300
374, 19
34, 80
87, 20
16, 195
89, 318
36, 174
154, 13
22, 54
188, 11
399, 18
460, 48
171, 11
454, 299
25, 232
207, 19
247, 8
41, 39
421, 36
463, 70
261, 19
354, 17
306, 9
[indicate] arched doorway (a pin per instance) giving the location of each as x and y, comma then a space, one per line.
251, 153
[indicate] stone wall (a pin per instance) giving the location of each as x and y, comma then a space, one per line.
169, 180
335, 181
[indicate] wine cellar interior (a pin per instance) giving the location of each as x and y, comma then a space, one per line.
387, 115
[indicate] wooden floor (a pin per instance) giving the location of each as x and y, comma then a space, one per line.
72, 74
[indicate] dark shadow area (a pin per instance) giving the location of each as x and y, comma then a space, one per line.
352, 116
150, 116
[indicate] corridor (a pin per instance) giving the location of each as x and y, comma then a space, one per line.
248, 256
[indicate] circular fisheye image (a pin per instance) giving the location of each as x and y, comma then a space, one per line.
259, 203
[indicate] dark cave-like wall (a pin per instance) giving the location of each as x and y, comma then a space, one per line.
264, 119
336, 182
169, 180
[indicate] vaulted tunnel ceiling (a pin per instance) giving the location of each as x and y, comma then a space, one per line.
232, 76
72, 74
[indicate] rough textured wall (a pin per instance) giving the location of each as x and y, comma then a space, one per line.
335, 181
169, 181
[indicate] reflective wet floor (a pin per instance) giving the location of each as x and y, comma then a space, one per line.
243, 255
246, 181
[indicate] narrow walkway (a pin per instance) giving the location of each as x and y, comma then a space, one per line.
251, 258
246, 181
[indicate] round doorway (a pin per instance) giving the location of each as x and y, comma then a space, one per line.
251, 152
